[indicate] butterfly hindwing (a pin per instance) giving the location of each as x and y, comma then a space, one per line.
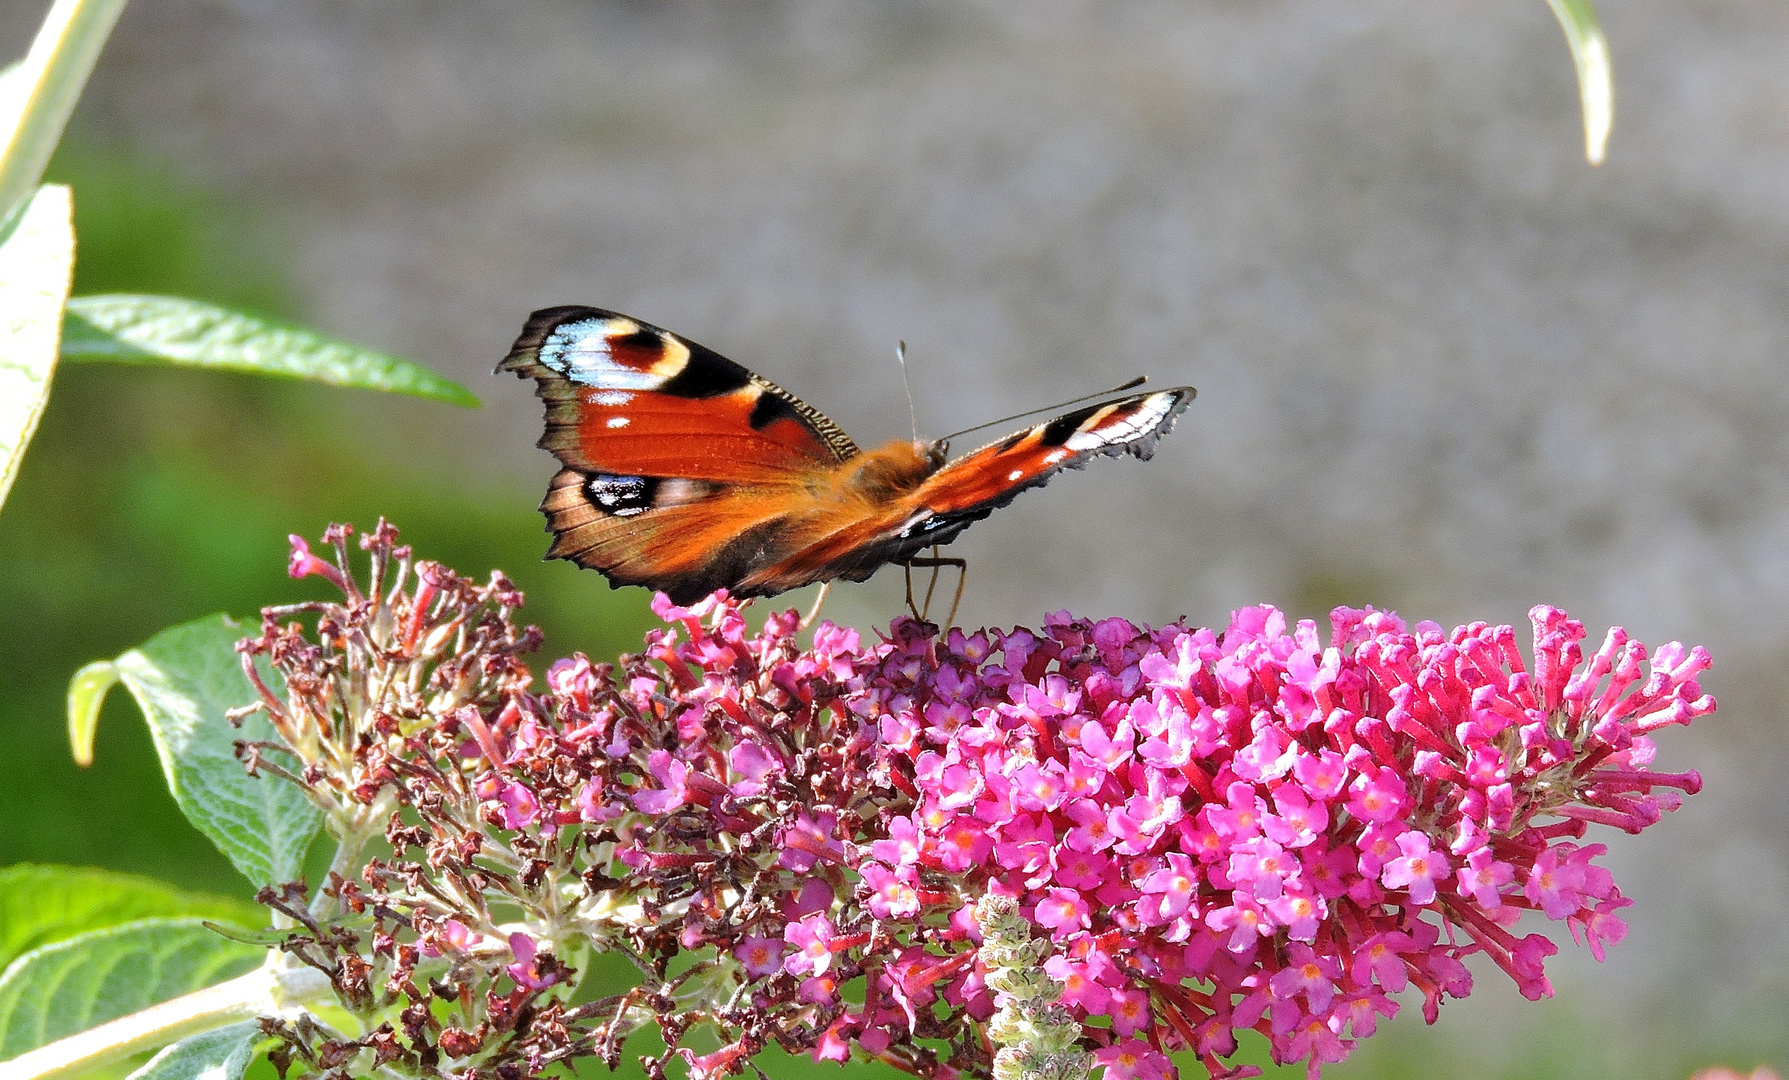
672, 535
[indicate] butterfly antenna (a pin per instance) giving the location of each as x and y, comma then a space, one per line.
912, 414
1132, 385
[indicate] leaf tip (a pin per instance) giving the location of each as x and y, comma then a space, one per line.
1596, 82
455, 394
1596, 86
86, 693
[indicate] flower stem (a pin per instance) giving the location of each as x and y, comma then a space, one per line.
354, 836
270, 989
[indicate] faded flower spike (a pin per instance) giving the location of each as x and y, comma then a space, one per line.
418, 642
1037, 1040
1013, 854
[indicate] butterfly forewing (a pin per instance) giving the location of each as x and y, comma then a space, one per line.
627, 398
989, 478
973, 486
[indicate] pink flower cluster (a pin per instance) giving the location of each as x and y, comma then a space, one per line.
1251, 829
1211, 831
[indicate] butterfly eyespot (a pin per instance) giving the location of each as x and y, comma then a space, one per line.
622, 496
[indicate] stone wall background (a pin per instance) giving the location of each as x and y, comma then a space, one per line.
1443, 365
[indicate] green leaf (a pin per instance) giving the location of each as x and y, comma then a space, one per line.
188, 333
37, 251
185, 679
55, 991
222, 1054
1596, 81
42, 91
41, 905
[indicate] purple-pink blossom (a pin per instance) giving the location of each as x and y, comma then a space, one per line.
811, 938
759, 955
672, 793
1277, 807
1262, 827
526, 971
304, 564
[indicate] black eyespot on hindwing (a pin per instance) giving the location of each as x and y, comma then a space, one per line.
622, 496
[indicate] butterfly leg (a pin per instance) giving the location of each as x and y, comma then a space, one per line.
814, 612
931, 585
912, 608
962, 566
957, 600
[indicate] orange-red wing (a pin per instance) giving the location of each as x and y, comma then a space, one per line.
625, 398
687, 538
989, 478
850, 539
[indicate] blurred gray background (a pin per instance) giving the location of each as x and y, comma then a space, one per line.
1443, 365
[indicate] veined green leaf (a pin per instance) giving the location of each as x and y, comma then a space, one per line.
42, 91
222, 1054
41, 905
1596, 80
189, 333
184, 679
37, 250
60, 989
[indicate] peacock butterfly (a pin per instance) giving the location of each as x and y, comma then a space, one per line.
685, 472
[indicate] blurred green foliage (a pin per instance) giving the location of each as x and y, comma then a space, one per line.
143, 228
152, 497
